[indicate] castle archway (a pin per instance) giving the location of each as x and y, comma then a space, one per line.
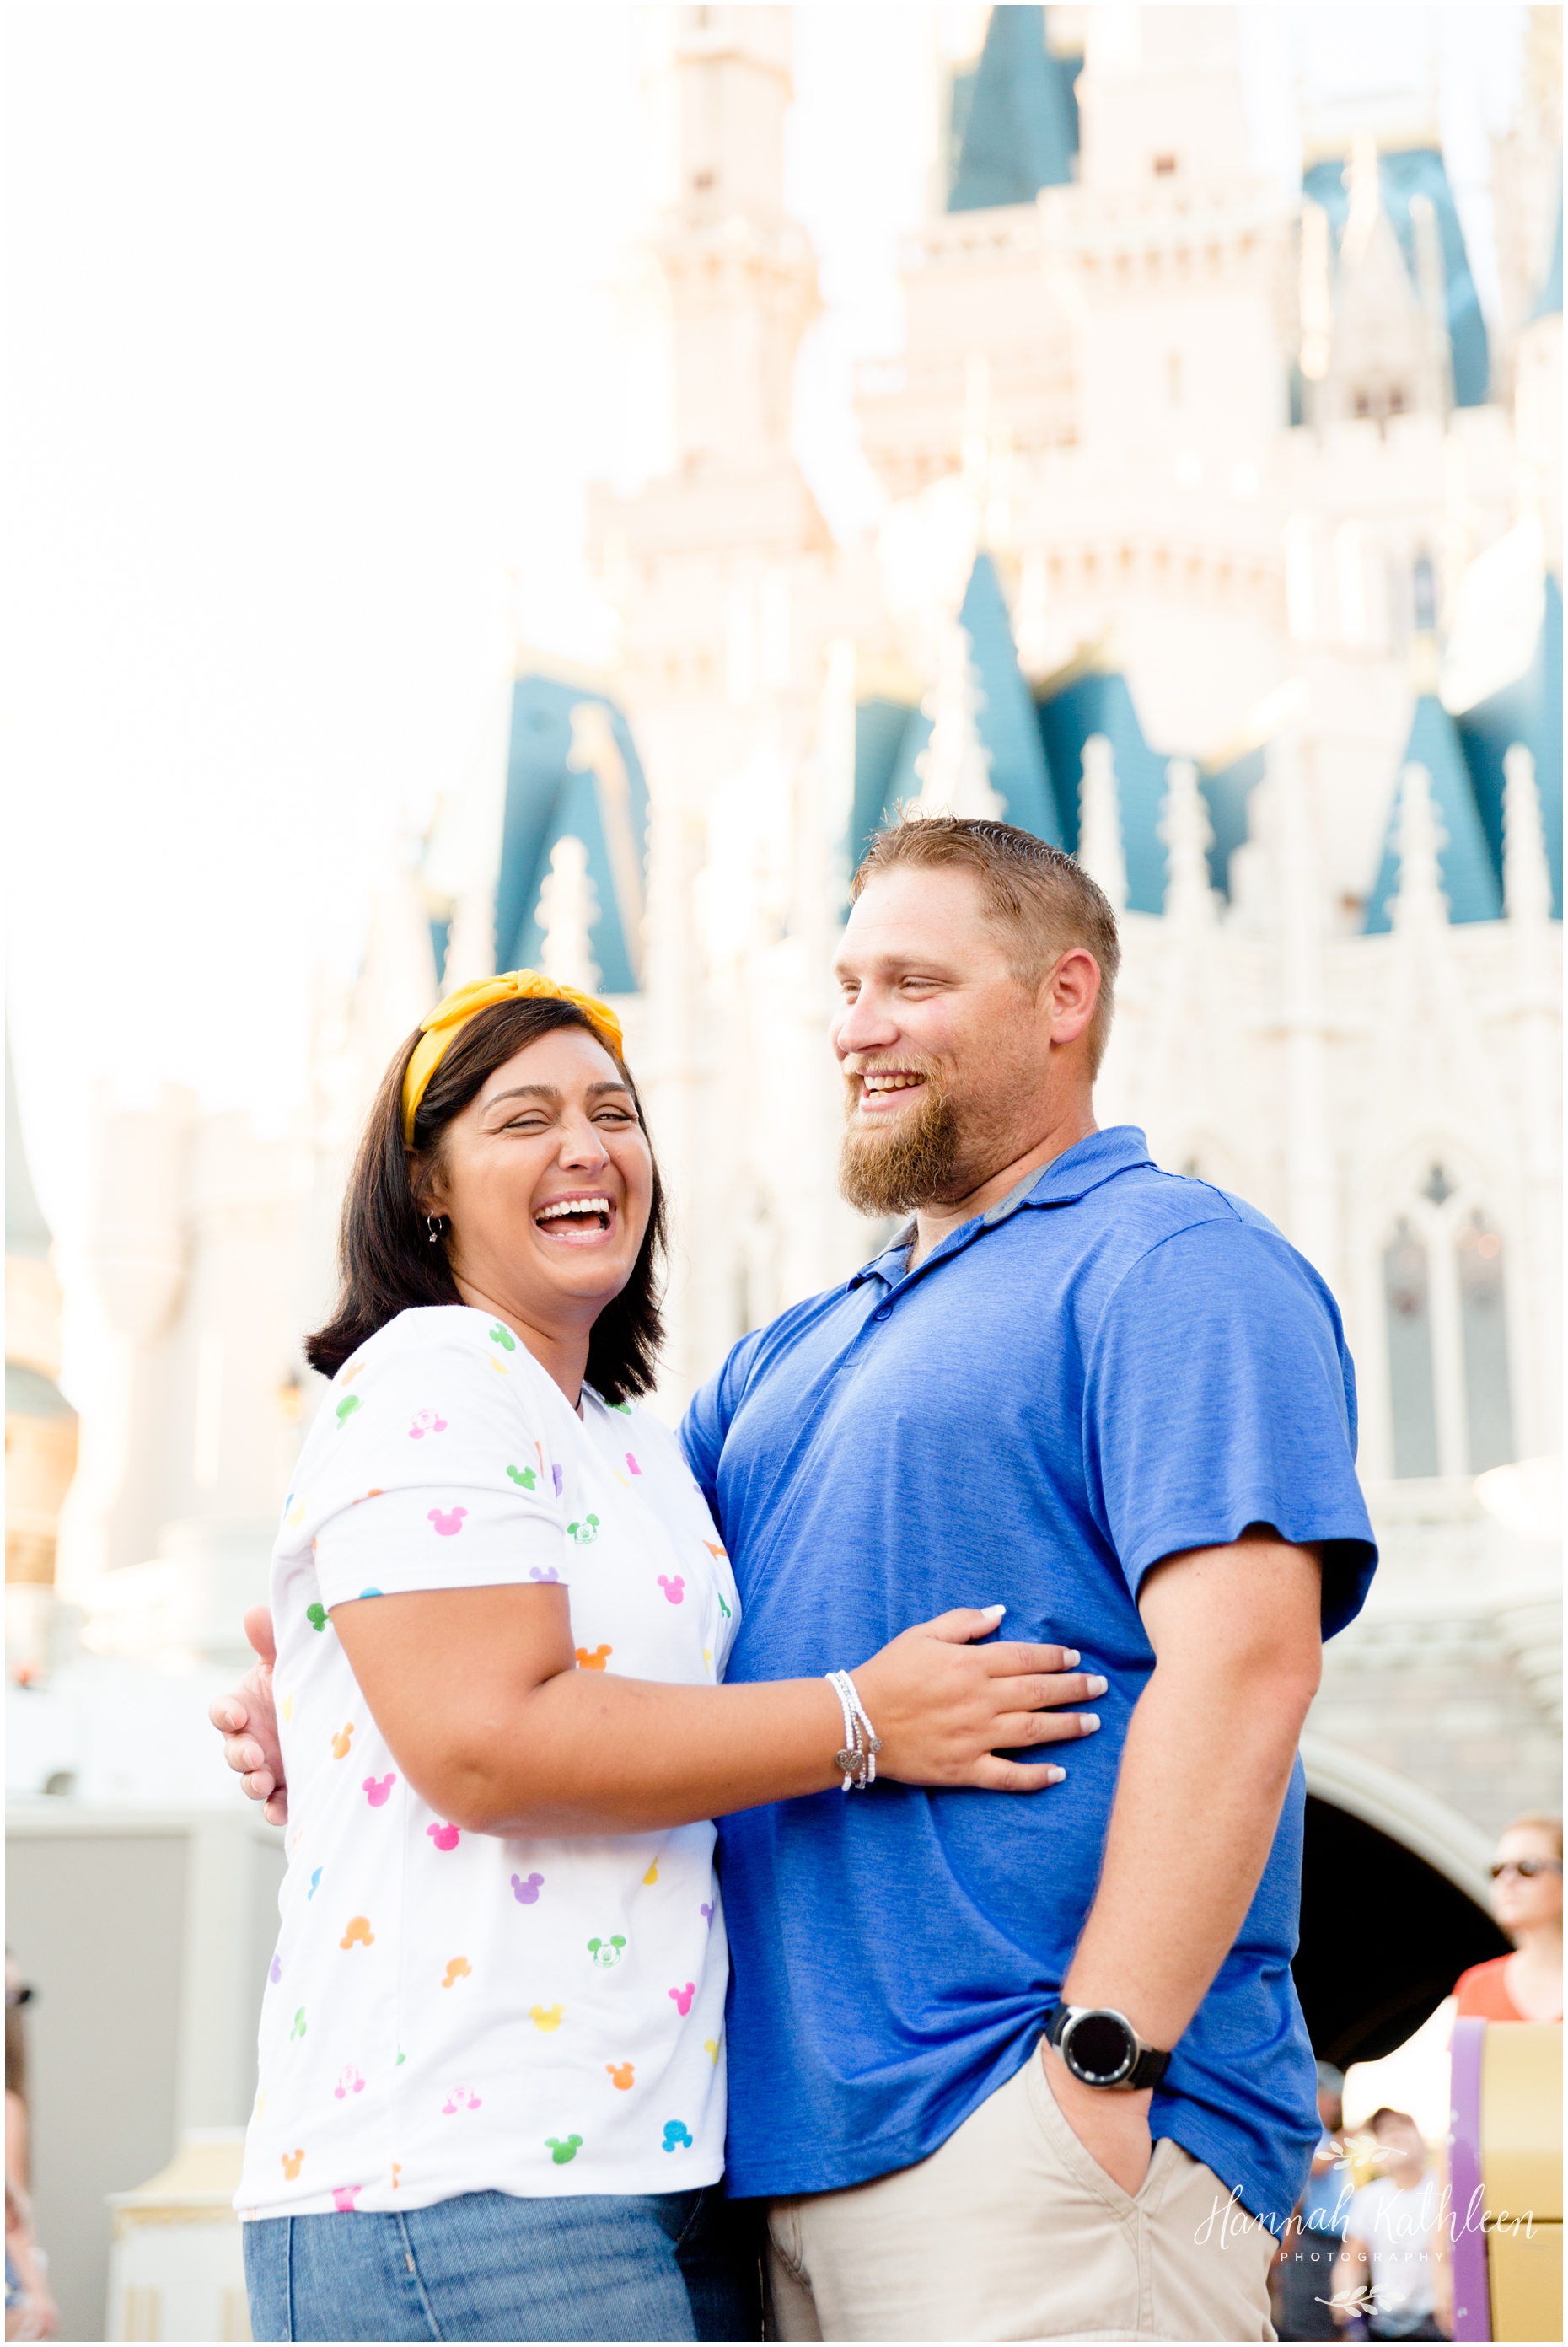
1393, 1905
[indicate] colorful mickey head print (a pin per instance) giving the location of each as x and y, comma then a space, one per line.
454, 1465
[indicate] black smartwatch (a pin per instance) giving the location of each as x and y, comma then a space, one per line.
1102, 2048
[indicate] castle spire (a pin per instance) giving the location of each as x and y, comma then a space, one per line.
954, 766
568, 908
1420, 902
1526, 877
1365, 199
1100, 848
739, 275
1188, 834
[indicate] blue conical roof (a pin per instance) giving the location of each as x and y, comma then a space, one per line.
1100, 702
1226, 793
1006, 726
1470, 880
889, 736
547, 799
880, 725
1019, 116
1530, 710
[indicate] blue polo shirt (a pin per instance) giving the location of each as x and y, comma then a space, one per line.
1111, 1364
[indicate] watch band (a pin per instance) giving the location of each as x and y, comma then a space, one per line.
1149, 2065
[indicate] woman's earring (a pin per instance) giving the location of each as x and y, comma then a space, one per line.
434, 1224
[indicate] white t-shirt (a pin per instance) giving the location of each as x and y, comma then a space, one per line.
1399, 2229
447, 2012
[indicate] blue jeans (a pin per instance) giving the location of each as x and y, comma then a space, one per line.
596, 2265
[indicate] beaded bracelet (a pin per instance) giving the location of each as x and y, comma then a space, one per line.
861, 1742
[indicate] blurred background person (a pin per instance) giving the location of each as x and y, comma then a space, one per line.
1391, 2235
1303, 2278
1527, 1900
30, 2311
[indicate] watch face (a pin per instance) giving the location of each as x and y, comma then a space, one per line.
1099, 2048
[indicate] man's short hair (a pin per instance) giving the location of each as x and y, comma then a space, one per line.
1042, 897
1386, 2111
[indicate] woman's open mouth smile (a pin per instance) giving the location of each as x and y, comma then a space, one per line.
580, 1218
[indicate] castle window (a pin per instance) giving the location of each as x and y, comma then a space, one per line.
1165, 167
1407, 1299
1489, 1402
1451, 1396
1363, 405
1424, 590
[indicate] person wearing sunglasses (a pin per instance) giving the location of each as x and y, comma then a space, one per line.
1527, 1900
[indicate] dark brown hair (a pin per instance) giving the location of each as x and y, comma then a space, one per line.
1044, 896
385, 1260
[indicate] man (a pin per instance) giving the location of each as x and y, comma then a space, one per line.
1124, 1401
1034, 2068
1388, 2268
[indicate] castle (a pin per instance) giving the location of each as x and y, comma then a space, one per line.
1223, 547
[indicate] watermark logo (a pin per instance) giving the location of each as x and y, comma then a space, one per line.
1436, 2216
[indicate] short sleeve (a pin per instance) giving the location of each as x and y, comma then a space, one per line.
433, 1470
1218, 1394
708, 1417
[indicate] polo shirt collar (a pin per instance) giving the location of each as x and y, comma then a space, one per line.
1099, 1158
1061, 1183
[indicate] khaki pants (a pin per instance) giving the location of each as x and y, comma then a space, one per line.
1010, 2231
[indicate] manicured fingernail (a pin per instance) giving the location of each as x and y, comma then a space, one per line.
1088, 1721
1071, 1658
1097, 1687
1055, 1775
993, 1613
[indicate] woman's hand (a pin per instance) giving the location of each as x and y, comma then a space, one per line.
477, 1694
248, 1722
943, 1706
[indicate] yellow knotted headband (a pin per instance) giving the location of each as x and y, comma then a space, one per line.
449, 1018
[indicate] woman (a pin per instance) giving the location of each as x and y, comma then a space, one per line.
1527, 1900
491, 2095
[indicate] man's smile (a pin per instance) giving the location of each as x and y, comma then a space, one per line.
882, 1089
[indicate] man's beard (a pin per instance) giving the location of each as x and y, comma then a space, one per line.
916, 1160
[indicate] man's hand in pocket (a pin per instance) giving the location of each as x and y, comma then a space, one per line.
1111, 2126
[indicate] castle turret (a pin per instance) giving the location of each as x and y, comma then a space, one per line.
739, 276
723, 571
1387, 350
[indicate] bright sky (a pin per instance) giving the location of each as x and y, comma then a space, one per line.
315, 340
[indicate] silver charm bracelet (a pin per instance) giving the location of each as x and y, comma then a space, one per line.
861, 1741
